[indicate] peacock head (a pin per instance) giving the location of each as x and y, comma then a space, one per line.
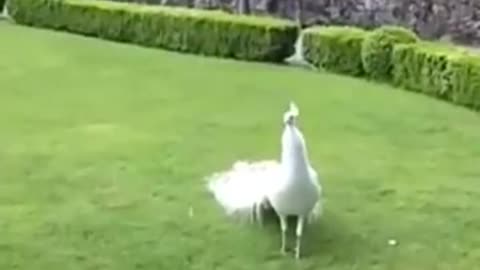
289, 117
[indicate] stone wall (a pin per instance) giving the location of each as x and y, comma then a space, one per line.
455, 20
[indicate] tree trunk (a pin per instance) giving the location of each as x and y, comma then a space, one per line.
243, 6
272, 6
299, 13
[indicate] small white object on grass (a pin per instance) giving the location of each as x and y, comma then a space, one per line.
190, 212
392, 242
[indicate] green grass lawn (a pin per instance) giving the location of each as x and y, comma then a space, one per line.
104, 146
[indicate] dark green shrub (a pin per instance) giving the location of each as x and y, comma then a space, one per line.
445, 72
419, 69
377, 49
335, 48
2, 5
213, 33
406, 71
465, 81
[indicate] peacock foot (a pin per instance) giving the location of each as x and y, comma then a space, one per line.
283, 250
297, 253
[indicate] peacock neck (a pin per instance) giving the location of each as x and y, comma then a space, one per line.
294, 152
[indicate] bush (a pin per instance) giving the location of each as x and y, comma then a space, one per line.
464, 73
448, 73
377, 49
2, 5
335, 48
212, 33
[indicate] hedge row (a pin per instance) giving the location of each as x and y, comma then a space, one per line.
447, 73
396, 55
377, 50
335, 48
212, 33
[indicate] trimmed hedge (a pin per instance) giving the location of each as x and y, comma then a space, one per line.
212, 33
377, 49
448, 73
335, 48
396, 55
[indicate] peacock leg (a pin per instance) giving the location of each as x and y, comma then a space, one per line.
300, 222
252, 213
283, 227
259, 213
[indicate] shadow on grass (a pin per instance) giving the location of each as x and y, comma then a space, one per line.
329, 238
4, 18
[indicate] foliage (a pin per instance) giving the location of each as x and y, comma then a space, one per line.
335, 48
377, 49
393, 54
213, 33
446, 72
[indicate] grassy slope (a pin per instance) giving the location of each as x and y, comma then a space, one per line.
103, 148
